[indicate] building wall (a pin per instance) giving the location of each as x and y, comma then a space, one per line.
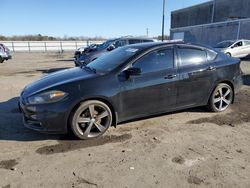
202, 14
228, 9
231, 21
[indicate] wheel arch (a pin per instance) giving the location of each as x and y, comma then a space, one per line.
228, 82
101, 99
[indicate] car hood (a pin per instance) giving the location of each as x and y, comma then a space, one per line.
56, 79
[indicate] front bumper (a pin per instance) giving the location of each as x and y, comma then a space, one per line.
47, 118
7, 56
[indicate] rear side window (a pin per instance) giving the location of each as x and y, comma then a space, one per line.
191, 56
156, 61
120, 43
211, 55
147, 41
247, 42
134, 41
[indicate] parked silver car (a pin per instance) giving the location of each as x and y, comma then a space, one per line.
4, 53
235, 48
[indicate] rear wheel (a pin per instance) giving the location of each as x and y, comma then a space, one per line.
221, 98
91, 119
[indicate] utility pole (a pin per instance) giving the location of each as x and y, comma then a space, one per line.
147, 32
163, 21
213, 11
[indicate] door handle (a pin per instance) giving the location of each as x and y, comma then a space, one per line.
171, 76
211, 68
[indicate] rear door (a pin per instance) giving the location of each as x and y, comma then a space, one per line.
246, 47
196, 76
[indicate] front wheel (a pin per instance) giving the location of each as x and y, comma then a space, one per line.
1, 60
221, 98
91, 119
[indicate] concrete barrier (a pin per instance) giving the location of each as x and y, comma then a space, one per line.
45, 46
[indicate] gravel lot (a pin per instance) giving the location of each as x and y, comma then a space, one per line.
191, 148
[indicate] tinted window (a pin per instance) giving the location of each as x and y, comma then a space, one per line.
120, 43
113, 59
190, 56
224, 44
105, 44
156, 61
238, 44
211, 55
247, 42
147, 41
134, 41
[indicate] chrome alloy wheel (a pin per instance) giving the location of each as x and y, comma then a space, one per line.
91, 120
223, 97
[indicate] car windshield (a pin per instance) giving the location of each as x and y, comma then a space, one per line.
112, 60
224, 44
105, 44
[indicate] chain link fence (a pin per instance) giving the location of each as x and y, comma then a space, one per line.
211, 34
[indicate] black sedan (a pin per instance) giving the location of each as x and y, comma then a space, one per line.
131, 82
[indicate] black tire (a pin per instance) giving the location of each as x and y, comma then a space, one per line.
91, 120
1, 60
228, 54
221, 98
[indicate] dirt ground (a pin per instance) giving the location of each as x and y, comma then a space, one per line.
191, 148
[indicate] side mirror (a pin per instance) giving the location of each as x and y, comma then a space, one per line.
133, 71
111, 47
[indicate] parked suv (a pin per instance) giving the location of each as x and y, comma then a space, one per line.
98, 50
79, 51
4, 53
235, 48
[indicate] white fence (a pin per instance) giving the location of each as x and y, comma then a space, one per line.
46, 46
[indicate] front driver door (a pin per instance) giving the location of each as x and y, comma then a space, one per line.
154, 90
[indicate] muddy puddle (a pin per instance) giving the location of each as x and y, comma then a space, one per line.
71, 145
240, 112
8, 164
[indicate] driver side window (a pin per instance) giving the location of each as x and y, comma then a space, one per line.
238, 44
120, 43
156, 61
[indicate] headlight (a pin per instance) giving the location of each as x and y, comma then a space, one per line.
47, 97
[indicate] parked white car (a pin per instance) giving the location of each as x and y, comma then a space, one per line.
239, 48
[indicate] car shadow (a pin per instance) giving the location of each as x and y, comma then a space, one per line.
66, 60
246, 79
247, 58
11, 126
201, 109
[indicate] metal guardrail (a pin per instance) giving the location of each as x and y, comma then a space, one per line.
46, 46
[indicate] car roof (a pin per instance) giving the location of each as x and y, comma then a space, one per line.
131, 38
155, 44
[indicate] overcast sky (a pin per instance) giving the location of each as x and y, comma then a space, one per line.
107, 18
